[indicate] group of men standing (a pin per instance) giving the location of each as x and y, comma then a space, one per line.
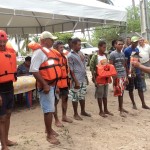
62, 74
127, 78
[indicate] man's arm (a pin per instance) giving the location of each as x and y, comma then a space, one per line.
38, 77
142, 67
71, 65
37, 59
93, 67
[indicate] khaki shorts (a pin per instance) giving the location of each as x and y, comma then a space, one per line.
101, 91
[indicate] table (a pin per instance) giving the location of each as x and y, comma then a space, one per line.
24, 84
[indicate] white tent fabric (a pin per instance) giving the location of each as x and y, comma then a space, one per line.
34, 16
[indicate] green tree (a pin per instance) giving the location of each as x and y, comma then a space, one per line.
133, 19
107, 33
64, 36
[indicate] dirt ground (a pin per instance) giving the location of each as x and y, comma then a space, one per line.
95, 133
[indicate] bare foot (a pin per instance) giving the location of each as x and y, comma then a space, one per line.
145, 107
65, 119
122, 114
85, 114
77, 117
123, 110
134, 107
4, 148
54, 133
11, 143
59, 124
102, 114
109, 113
51, 139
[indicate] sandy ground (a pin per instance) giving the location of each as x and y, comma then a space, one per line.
95, 133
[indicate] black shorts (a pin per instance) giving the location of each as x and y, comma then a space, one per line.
7, 102
135, 83
64, 91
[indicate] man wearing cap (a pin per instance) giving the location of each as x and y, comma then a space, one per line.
144, 50
134, 81
8, 70
46, 86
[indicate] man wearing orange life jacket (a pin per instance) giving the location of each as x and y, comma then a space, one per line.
8, 69
63, 84
46, 69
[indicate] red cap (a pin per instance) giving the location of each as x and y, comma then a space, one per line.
3, 35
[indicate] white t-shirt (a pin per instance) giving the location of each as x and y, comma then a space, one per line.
144, 53
102, 59
38, 58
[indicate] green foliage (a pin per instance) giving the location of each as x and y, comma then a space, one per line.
108, 34
64, 36
133, 19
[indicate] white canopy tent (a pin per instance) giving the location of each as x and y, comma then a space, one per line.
35, 16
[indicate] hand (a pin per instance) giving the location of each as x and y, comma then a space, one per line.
87, 80
93, 79
1, 102
114, 83
77, 85
127, 81
46, 89
57, 90
136, 64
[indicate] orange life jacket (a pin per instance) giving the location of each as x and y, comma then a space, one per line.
104, 73
8, 65
64, 80
50, 70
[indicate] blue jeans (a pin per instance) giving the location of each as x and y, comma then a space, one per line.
47, 101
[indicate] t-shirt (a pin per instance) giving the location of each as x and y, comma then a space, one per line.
128, 51
77, 65
38, 58
23, 70
119, 60
144, 53
102, 59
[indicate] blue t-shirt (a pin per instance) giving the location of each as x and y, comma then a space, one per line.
128, 51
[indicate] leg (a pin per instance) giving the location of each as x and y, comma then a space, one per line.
141, 95
105, 95
131, 95
75, 108
57, 122
48, 124
120, 101
83, 112
144, 83
64, 109
105, 107
47, 102
100, 103
8, 115
3, 132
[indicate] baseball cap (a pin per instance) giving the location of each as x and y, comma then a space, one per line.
3, 35
47, 35
134, 39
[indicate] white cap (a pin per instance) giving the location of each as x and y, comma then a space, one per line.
47, 35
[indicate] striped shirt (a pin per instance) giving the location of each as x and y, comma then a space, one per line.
118, 61
77, 65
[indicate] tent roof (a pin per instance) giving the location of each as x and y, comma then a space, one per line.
34, 16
